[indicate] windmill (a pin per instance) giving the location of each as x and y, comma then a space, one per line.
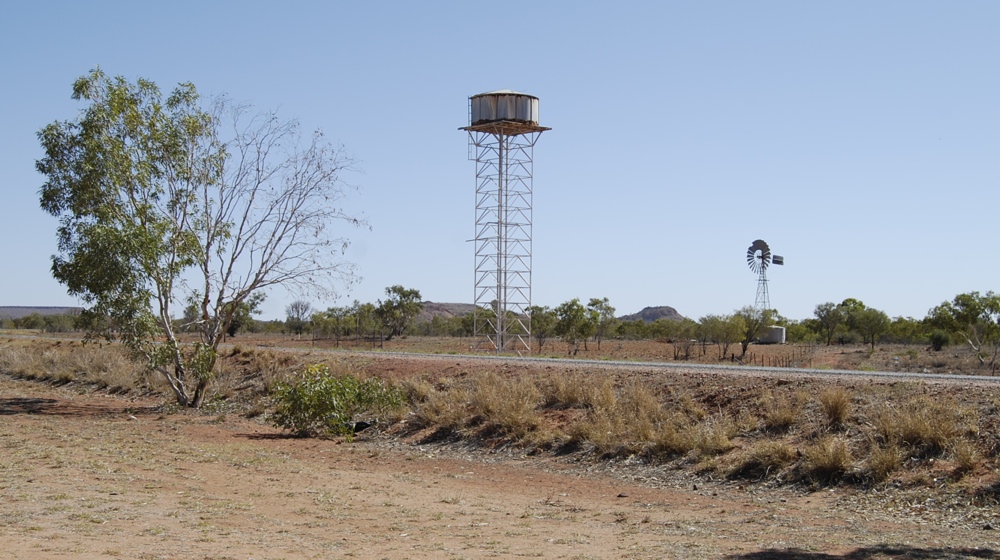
758, 259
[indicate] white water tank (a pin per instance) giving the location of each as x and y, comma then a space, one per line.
772, 335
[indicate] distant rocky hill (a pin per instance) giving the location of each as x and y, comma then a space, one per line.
446, 310
651, 314
16, 312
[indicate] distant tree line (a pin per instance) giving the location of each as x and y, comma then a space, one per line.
970, 319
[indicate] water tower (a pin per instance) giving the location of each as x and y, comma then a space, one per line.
503, 128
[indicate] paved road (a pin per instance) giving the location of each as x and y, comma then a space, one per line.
682, 366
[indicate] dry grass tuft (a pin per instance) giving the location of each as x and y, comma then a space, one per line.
624, 421
106, 366
712, 437
923, 425
578, 390
883, 461
445, 408
836, 403
966, 457
765, 458
827, 460
780, 412
507, 406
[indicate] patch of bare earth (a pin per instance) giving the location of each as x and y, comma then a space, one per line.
91, 476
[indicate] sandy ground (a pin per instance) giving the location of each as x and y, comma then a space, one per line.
92, 476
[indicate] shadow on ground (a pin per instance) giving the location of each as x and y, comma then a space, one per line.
881, 552
56, 407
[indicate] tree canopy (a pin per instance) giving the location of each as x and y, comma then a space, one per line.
151, 192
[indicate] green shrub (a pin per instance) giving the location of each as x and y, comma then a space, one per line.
317, 403
939, 339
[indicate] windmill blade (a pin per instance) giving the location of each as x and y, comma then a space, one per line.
758, 256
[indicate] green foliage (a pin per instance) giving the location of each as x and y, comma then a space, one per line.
602, 316
34, 321
543, 324
318, 403
976, 319
754, 321
723, 330
398, 310
906, 330
297, 315
870, 323
939, 339
571, 322
147, 195
241, 319
829, 316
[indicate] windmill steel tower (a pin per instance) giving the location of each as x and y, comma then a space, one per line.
503, 128
758, 259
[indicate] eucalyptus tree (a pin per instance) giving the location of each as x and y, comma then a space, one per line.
160, 201
603, 315
723, 330
297, 315
829, 317
976, 319
871, 324
754, 321
398, 310
543, 324
571, 323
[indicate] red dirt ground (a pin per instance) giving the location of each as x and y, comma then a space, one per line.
92, 476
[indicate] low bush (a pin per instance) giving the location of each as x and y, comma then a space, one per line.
318, 403
938, 340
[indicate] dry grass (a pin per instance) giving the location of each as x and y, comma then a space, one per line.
744, 430
836, 404
965, 456
883, 462
445, 407
780, 412
577, 390
105, 366
827, 460
925, 426
763, 459
506, 406
628, 420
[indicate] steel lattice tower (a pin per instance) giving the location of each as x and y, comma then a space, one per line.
503, 131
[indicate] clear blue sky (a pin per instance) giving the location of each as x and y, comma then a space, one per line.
860, 139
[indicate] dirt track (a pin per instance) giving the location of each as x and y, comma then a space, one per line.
86, 476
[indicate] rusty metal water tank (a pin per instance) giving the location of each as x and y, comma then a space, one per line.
504, 105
